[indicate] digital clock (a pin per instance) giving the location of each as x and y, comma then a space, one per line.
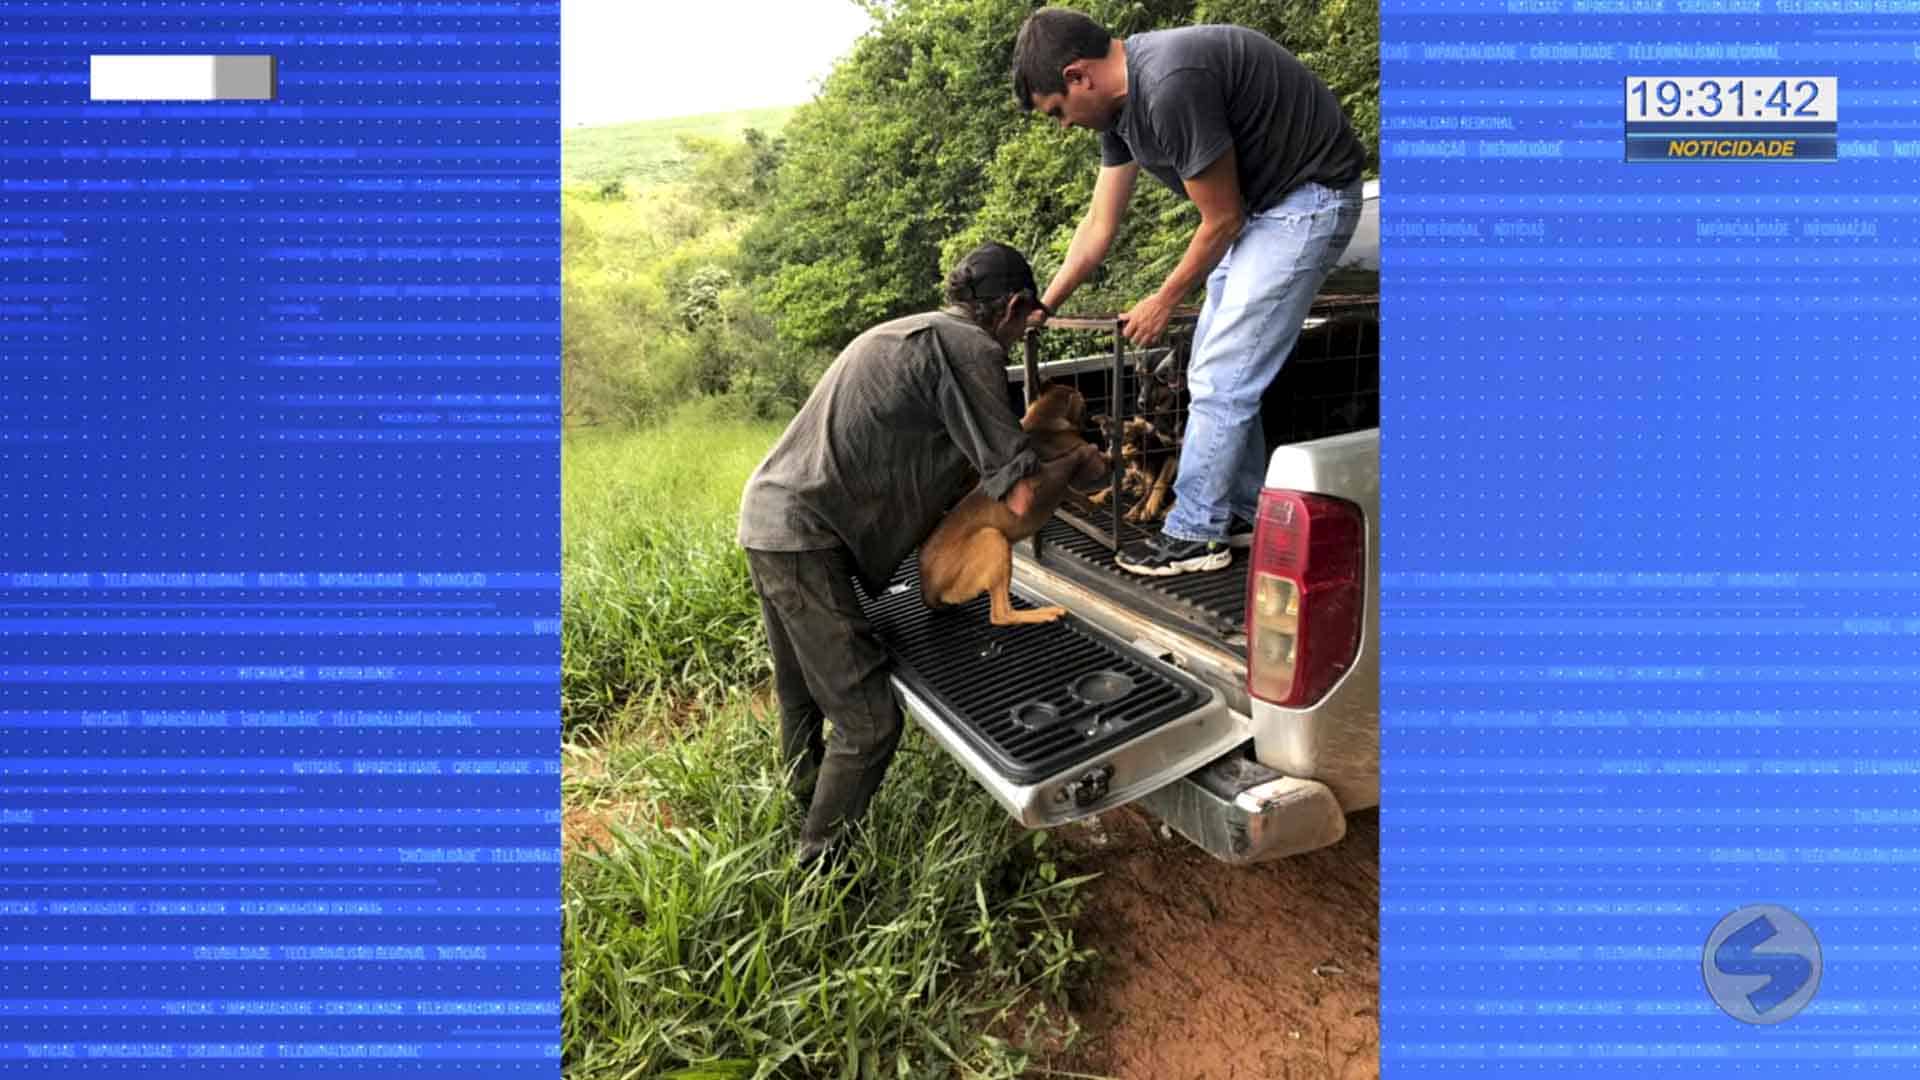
1746, 99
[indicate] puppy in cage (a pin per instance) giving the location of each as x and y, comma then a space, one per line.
1112, 436
1146, 459
1146, 443
1154, 434
1157, 460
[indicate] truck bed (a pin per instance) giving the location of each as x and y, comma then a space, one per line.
1329, 386
1226, 772
1210, 606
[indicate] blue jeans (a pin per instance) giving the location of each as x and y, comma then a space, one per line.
1256, 300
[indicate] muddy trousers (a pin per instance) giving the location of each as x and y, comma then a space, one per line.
827, 664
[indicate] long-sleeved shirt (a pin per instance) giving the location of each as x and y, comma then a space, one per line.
885, 443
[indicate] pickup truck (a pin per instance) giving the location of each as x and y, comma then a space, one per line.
1241, 707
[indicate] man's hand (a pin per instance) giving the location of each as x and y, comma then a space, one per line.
1083, 468
1216, 191
1147, 320
1020, 496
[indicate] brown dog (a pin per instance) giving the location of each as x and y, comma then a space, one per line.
1141, 453
1156, 459
971, 550
1155, 436
1133, 481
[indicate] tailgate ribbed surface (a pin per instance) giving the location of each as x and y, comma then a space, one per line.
980, 676
1214, 602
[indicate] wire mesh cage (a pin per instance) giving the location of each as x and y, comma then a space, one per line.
1138, 403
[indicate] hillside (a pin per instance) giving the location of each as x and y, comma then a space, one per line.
648, 152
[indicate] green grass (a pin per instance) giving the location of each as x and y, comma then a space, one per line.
656, 608
694, 940
693, 947
647, 152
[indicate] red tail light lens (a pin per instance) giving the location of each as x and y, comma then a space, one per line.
1304, 596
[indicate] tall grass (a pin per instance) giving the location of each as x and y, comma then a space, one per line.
694, 939
693, 947
656, 607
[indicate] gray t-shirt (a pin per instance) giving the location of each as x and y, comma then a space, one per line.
1195, 90
887, 443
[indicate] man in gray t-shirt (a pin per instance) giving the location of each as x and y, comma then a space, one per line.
888, 440
1228, 119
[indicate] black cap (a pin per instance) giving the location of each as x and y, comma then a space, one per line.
990, 272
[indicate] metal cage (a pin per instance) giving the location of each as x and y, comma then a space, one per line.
1329, 385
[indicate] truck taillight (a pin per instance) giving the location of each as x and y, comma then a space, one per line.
1304, 602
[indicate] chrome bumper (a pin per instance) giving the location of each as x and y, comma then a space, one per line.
1241, 812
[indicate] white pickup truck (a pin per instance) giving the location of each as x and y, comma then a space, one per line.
1241, 706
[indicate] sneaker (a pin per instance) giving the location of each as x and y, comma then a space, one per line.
1164, 556
1239, 532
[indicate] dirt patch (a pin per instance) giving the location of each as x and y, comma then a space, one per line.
590, 808
1215, 972
584, 829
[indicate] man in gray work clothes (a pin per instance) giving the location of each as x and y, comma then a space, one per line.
1228, 119
882, 448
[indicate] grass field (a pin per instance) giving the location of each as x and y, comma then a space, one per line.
693, 947
656, 610
648, 152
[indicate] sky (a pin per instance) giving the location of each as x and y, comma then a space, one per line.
641, 59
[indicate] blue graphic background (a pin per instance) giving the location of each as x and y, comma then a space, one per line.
279, 545
1650, 591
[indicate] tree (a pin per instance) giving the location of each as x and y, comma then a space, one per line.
915, 150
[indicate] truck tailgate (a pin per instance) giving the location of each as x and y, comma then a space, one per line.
1059, 720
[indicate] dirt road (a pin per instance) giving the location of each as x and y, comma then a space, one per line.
1214, 972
